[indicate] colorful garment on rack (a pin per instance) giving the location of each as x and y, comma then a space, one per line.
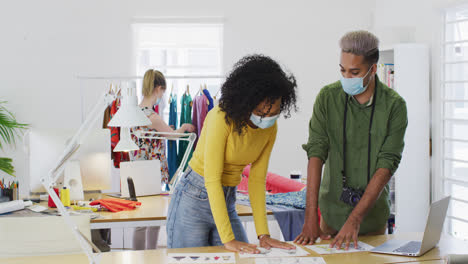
117, 157
200, 110
185, 117
210, 99
171, 144
151, 149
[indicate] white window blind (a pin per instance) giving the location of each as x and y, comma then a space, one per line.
180, 49
455, 118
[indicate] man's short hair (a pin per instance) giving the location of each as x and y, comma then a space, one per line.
362, 43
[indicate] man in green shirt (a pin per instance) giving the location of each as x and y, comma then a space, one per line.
357, 129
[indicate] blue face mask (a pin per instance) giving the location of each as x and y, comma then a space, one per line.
158, 101
263, 122
354, 86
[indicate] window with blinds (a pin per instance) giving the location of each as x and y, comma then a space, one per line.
180, 49
455, 118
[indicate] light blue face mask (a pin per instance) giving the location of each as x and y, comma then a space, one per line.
354, 86
263, 122
158, 101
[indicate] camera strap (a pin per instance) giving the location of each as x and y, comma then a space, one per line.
369, 137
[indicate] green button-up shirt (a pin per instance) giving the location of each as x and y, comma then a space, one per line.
326, 142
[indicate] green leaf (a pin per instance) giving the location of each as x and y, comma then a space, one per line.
9, 127
6, 166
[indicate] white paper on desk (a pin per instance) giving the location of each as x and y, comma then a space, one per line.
37, 208
278, 252
92, 215
326, 250
306, 260
201, 258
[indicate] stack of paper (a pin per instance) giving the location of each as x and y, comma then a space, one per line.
277, 252
201, 258
325, 249
306, 260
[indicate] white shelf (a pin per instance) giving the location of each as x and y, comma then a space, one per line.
411, 65
412, 83
387, 49
387, 56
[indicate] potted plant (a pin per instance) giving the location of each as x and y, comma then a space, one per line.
9, 130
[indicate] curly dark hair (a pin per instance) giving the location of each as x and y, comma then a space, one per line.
254, 79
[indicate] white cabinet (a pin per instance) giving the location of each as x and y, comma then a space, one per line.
412, 179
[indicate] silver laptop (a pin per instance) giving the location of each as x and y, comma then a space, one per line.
435, 222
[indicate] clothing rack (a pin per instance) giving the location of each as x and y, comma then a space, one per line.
82, 78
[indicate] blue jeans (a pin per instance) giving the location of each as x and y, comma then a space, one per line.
189, 219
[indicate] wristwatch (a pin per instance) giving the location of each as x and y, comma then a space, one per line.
262, 236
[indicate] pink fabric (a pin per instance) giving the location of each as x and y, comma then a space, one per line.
200, 110
274, 183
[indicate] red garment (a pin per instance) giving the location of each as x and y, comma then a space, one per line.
116, 205
274, 183
115, 138
51, 202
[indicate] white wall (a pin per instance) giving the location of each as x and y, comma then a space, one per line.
45, 44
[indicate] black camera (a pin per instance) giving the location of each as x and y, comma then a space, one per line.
351, 196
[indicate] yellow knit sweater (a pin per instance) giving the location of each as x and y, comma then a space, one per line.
221, 155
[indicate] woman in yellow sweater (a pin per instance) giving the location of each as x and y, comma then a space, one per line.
240, 131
